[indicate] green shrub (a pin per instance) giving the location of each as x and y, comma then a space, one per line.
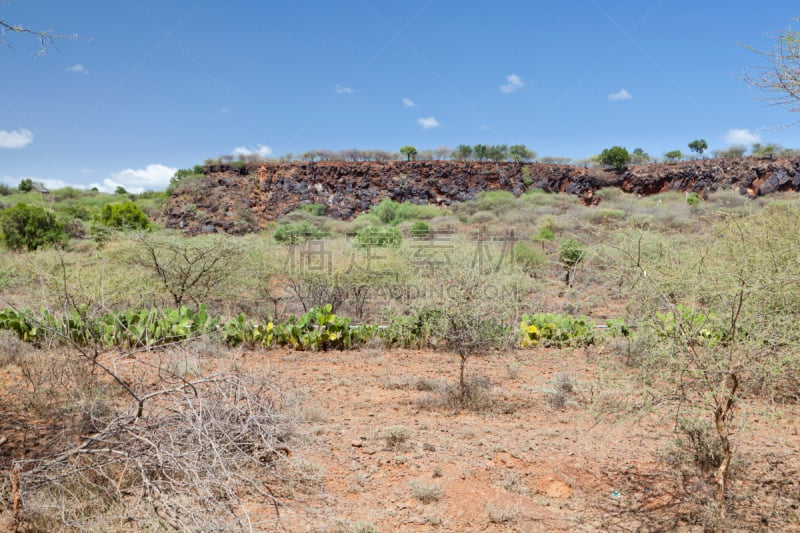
387, 211
297, 232
570, 252
30, 227
409, 211
545, 234
392, 213
616, 156
79, 211
314, 209
421, 329
378, 236
420, 229
693, 199
122, 215
26, 185
488, 200
185, 175
528, 256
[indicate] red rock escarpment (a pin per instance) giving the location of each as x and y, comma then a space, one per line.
240, 200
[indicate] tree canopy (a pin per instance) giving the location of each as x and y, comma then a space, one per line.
409, 151
520, 152
673, 155
699, 146
616, 156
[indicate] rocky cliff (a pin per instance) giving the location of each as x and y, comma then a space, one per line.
241, 199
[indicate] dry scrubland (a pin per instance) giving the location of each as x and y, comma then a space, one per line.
229, 415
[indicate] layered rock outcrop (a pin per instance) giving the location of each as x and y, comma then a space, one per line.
238, 200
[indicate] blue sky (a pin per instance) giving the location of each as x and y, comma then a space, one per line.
153, 85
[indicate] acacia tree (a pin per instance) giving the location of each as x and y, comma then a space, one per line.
188, 269
722, 313
497, 152
780, 77
570, 252
699, 146
520, 152
673, 155
463, 152
639, 157
409, 151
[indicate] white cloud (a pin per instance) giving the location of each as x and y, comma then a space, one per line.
428, 123
408, 102
261, 151
623, 94
48, 183
514, 84
151, 177
741, 136
15, 139
78, 69
110, 186
51, 184
343, 90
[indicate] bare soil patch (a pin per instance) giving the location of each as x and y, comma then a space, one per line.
521, 465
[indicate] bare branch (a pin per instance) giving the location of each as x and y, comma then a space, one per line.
780, 78
46, 37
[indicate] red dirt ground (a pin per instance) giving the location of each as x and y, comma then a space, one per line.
522, 466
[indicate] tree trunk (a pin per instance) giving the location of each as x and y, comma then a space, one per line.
722, 418
462, 384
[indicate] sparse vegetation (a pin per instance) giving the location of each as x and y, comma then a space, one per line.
284, 358
455, 292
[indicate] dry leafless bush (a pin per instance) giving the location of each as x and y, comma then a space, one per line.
11, 348
563, 391
198, 459
425, 491
475, 394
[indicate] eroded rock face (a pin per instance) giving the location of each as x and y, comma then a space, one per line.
240, 200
